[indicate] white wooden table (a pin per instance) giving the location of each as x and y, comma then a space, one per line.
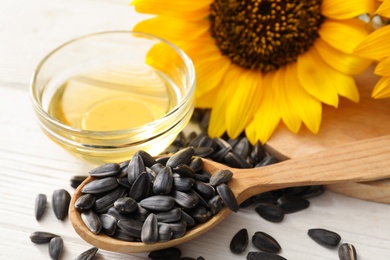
30, 163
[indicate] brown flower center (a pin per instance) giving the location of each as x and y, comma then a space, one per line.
264, 34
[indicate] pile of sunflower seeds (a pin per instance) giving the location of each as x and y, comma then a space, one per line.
153, 200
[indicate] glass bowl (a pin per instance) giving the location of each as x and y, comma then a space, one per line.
104, 96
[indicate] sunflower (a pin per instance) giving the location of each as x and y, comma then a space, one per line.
377, 46
260, 62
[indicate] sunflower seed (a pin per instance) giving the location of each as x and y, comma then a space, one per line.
292, 203
157, 167
178, 229
105, 202
220, 155
263, 256
183, 183
270, 212
200, 214
141, 187
146, 158
200, 176
108, 224
204, 189
164, 232
41, 237
56, 245
84, 202
140, 214
124, 182
171, 253
265, 242
135, 168
60, 203
105, 170
149, 233
196, 164
203, 151
258, 153
182, 157
312, 191
220, 176
131, 226
158, 203
187, 219
126, 205
206, 141
87, 255
163, 160
215, 204
324, 237
195, 141
122, 235
239, 241
76, 180
236, 161
228, 197
163, 182
184, 170
100, 185
347, 252
169, 216
92, 221
268, 160
185, 199
242, 147
40, 206
267, 197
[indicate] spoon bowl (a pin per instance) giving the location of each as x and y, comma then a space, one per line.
361, 161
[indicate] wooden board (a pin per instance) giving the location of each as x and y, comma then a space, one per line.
348, 123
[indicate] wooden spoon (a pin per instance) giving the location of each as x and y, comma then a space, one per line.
355, 162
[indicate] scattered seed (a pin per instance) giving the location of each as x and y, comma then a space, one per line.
347, 252
56, 245
84, 202
239, 241
270, 212
265, 242
171, 253
87, 255
324, 237
41, 237
40, 206
60, 203
263, 256
292, 203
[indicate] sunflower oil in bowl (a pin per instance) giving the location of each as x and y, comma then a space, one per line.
104, 96
110, 99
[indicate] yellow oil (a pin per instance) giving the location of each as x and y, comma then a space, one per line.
109, 99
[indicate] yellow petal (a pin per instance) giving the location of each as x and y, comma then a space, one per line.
183, 9
267, 116
210, 72
343, 35
346, 9
383, 67
317, 78
382, 88
376, 45
340, 61
172, 28
244, 102
308, 107
250, 132
384, 9
217, 124
282, 90
207, 99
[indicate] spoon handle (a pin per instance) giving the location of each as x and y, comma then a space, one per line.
359, 161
